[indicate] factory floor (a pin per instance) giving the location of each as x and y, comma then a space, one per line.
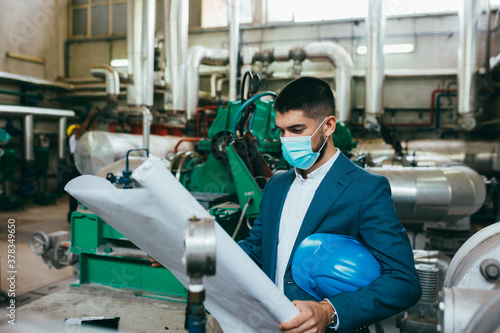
44, 296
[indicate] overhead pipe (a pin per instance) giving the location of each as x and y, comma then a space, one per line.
176, 43
342, 61
234, 37
110, 75
469, 14
198, 55
140, 50
374, 80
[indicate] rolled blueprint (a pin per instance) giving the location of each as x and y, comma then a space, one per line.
152, 216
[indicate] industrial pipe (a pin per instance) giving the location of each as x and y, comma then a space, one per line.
97, 149
176, 43
432, 115
29, 112
469, 14
342, 61
434, 194
234, 35
140, 50
200, 55
374, 80
110, 75
29, 154
62, 136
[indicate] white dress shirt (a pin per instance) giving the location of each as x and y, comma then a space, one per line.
296, 204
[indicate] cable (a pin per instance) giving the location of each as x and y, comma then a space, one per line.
244, 105
240, 222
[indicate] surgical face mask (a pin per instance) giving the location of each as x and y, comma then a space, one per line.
297, 150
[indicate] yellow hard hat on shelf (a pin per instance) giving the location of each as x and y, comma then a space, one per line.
71, 128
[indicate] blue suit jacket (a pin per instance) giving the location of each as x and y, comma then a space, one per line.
349, 201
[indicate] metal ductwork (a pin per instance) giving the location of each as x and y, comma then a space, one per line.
97, 149
469, 14
342, 61
110, 75
234, 45
374, 79
434, 194
200, 55
176, 43
140, 50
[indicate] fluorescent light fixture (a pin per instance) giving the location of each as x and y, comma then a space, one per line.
391, 48
119, 62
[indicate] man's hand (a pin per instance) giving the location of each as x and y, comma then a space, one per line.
154, 263
313, 317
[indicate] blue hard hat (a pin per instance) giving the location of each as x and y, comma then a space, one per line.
326, 264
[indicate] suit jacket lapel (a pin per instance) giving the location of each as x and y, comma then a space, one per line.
281, 192
330, 189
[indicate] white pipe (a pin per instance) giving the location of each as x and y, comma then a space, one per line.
200, 55
342, 61
110, 75
140, 50
469, 14
62, 136
375, 26
176, 43
234, 31
29, 142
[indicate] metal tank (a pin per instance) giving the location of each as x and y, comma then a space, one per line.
434, 194
97, 149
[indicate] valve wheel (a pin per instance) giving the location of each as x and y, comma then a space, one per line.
39, 243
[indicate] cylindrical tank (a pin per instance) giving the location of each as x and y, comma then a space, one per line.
97, 149
434, 194
482, 156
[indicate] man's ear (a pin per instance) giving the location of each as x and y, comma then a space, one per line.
331, 123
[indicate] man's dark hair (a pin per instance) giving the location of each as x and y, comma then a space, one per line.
311, 95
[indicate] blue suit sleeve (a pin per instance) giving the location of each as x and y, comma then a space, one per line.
252, 245
398, 287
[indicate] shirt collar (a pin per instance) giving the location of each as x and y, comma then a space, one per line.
320, 173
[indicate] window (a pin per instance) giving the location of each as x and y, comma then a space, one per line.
215, 13
318, 10
96, 18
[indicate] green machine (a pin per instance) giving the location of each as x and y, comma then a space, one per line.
234, 162
106, 257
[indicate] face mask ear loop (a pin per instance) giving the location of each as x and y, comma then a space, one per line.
317, 129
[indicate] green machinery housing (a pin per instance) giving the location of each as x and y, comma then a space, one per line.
218, 174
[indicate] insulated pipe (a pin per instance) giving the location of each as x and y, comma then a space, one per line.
62, 136
200, 55
374, 80
110, 75
234, 31
469, 14
97, 149
342, 61
432, 194
140, 50
29, 154
176, 51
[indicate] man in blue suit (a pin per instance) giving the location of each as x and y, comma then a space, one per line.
326, 193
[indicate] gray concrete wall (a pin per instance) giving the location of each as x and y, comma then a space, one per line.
36, 28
